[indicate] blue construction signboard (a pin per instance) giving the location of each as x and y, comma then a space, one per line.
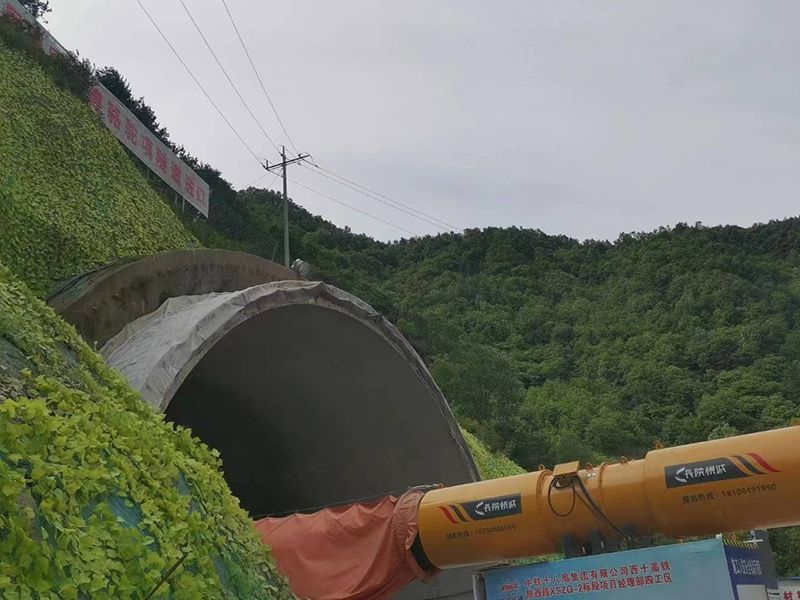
705, 570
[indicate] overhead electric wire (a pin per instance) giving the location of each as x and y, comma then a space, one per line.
331, 175
376, 193
202, 89
257, 179
261, 83
358, 210
370, 196
227, 76
382, 198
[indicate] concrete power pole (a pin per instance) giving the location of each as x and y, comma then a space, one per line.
282, 165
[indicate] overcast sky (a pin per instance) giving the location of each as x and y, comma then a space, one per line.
584, 118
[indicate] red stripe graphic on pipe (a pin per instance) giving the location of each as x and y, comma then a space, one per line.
763, 462
448, 515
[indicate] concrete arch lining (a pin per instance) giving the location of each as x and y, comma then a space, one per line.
101, 302
310, 395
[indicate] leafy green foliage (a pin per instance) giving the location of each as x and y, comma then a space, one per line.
598, 350
99, 497
491, 464
70, 198
67, 72
786, 543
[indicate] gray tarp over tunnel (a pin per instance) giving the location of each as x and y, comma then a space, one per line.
309, 394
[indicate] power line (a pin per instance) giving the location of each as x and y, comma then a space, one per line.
376, 193
386, 198
202, 89
358, 187
233, 85
372, 197
257, 179
363, 212
263, 88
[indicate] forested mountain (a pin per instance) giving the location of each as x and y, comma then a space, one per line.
551, 349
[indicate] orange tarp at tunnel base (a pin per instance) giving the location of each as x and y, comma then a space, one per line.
351, 552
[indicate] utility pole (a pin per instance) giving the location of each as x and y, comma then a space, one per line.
282, 165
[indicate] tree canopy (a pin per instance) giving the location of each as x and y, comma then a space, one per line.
38, 8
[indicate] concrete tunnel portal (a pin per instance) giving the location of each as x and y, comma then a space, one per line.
308, 406
311, 397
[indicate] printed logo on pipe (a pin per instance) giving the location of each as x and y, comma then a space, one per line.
480, 510
717, 469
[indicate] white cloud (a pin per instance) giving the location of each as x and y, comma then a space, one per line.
584, 118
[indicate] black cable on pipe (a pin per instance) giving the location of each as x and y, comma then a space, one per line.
594, 508
553, 484
580, 492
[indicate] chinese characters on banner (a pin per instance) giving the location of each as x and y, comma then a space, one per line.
127, 128
597, 580
150, 150
789, 589
692, 570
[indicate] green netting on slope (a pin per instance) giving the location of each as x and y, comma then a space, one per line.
99, 497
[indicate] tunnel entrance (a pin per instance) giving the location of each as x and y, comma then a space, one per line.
309, 407
310, 396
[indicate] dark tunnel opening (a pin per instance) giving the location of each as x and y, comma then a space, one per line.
309, 406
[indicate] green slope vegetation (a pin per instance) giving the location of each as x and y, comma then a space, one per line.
70, 198
99, 497
491, 464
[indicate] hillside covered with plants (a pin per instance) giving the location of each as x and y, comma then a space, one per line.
70, 197
99, 497
554, 349
551, 350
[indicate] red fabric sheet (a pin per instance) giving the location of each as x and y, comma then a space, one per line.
352, 552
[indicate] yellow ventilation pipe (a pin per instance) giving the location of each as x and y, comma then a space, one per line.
745, 482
